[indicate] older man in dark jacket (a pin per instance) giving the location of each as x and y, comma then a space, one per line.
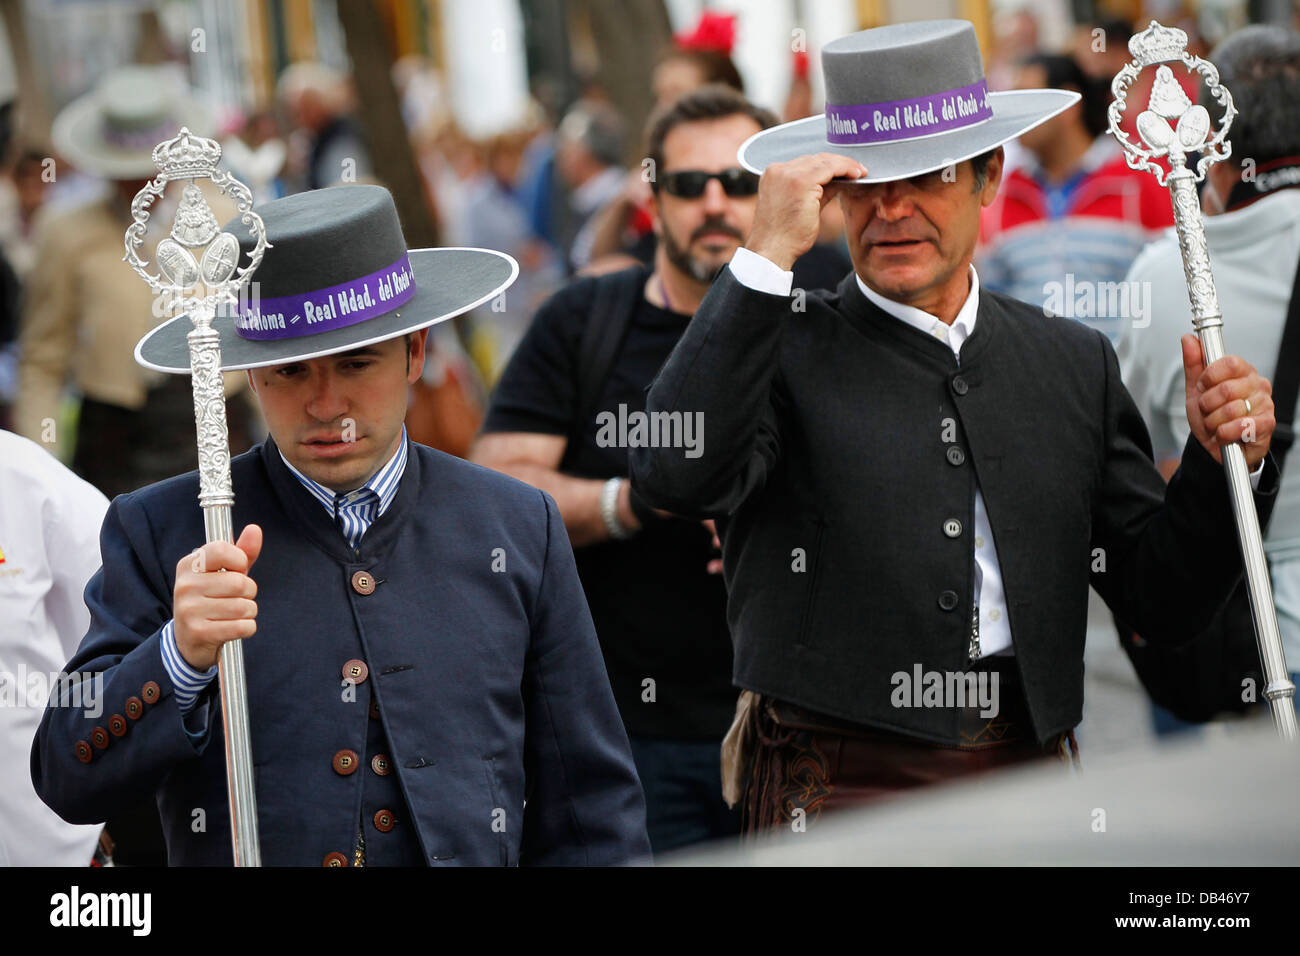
921, 478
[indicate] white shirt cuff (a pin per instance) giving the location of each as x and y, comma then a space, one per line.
1254, 475
760, 273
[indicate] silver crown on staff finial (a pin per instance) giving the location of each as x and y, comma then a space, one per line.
190, 284
1157, 44
1171, 125
187, 156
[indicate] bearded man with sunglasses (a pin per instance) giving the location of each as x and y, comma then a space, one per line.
567, 409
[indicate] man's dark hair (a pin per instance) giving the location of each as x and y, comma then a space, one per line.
1063, 72
714, 66
712, 102
980, 167
410, 345
1117, 31
1260, 66
6, 130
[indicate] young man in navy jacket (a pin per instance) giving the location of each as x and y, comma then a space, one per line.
424, 681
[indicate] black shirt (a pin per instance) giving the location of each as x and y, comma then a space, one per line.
659, 614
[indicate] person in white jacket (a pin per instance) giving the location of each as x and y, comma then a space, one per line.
49, 548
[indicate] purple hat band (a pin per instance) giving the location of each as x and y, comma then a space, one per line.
865, 124
336, 307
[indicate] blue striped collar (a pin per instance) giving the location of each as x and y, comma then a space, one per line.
383, 482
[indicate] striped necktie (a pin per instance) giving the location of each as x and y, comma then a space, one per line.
354, 512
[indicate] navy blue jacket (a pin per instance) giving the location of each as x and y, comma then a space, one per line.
485, 681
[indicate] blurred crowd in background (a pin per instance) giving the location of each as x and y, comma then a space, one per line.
516, 125
524, 122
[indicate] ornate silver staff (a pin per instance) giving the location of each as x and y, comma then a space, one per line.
197, 287
1172, 126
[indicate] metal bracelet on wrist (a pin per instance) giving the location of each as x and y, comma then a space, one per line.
609, 510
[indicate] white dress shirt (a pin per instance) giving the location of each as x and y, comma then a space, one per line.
763, 275
49, 548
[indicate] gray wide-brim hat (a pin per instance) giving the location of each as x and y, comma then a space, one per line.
904, 100
111, 131
336, 276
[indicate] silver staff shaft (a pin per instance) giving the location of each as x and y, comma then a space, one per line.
196, 285
1208, 323
216, 496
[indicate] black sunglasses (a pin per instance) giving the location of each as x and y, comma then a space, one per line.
691, 183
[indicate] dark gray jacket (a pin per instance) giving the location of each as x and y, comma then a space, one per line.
824, 445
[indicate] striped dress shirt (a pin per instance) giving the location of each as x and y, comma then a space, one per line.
353, 513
